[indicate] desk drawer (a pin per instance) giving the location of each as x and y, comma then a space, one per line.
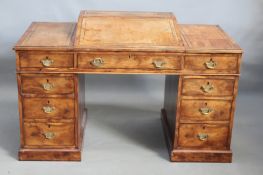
212, 63
48, 108
203, 136
126, 61
43, 134
205, 110
47, 84
46, 60
208, 86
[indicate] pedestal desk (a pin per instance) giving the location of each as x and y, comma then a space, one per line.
201, 64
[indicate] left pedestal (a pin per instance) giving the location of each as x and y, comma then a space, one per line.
52, 116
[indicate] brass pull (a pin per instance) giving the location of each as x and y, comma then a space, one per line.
207, 87
206, 110
49, 135
47, 86
158, 64
47, 62
48, 109
210, 64
97, 62
202, 136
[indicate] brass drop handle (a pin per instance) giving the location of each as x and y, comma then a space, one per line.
206, 110
97, 62
202, 136
48, 109
47, 86
207, 87
158, 64
49, 135
47, 61
210, 64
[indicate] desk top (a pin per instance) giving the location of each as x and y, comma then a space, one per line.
127, 31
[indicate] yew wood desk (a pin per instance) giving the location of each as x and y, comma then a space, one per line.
198, 111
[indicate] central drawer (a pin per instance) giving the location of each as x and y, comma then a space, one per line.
43, 134
127, 61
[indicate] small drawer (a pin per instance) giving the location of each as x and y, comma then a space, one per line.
43, 134
205, 110
212, 63
47, 84
126, 61
46, 60
48, 108
208, 86
203, 136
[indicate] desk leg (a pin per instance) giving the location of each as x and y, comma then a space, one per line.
54, 133
181, 135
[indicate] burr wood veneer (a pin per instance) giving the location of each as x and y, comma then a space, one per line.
201, 64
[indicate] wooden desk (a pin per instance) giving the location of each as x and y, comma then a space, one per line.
52, 59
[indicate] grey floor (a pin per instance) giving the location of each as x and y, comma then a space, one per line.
124, 134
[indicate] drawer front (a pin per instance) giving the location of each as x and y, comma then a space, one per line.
203, 110
208, 86
46, 60
49, 134
203, 136
47, 84
210, 63
48, 108
125, 61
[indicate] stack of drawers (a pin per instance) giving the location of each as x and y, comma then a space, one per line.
204, 109
48, 106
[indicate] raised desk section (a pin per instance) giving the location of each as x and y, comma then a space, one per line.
201, 64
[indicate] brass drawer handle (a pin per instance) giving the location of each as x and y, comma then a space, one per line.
47, 86
48, 109
210, 64
49, 135
158, 64
206, 110
47, 62
202, 136
97, 62
207, 87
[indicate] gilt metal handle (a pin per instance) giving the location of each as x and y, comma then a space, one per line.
210, 64
49, 135
207, 87
202, 136
158, 64
48, 109
47, 86
206, 110
47, 61
97, 62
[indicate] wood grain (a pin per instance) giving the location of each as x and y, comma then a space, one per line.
62, 108
221, 86
33, 59
35, 134
33, 84
217, 136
